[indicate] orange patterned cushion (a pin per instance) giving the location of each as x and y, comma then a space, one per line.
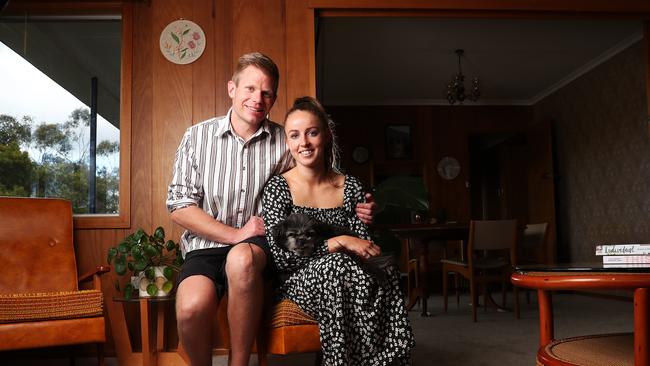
49, 306
286, 313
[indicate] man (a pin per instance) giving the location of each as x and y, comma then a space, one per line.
220, 170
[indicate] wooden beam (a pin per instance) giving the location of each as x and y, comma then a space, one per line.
301, 53
567, 6
63, 7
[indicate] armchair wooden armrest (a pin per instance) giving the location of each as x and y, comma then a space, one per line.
94, 275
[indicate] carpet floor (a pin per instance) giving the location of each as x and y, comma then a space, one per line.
450, 339
497, 339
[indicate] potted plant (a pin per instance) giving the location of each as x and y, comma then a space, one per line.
149, 259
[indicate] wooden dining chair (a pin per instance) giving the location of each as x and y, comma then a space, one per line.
491, 254
409, 277
531, 249
455, 250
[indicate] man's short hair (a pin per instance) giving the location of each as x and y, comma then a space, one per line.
260, 61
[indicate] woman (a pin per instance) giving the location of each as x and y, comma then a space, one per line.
361, 323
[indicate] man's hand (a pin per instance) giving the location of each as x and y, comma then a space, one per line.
366, 211
254, 227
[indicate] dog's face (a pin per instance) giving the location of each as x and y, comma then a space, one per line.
299, 233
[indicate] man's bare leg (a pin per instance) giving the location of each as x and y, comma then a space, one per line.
196, 306
244, 267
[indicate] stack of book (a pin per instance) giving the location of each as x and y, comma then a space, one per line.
624, 255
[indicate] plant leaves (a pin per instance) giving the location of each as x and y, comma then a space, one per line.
186, 31
179, 260
170, 245
159, 234
136, 253
128, 291
150, 251
137, 236
112, 252
175, 37
150, 273
168, 272
152, 290
168, 286
123, 247
120, 265
140, 264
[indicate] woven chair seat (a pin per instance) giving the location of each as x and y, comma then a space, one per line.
594, 350
286, 313
50, 306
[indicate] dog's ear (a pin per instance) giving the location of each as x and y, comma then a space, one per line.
279, 231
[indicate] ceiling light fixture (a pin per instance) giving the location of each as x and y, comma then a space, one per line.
456, 88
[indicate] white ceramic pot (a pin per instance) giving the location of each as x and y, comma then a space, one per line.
142, 282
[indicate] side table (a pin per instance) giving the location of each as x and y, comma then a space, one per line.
152, 329
580, 276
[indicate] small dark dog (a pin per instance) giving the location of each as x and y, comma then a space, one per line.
301, 234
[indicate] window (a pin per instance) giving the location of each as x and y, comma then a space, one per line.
65, 119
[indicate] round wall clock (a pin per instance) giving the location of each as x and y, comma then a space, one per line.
448, 168
182, 42
360, 154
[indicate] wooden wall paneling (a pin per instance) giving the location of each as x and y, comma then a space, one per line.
451, 139
142, 127
203, 69
223, 55
437, 131
646, 42
90, 249
204, 83
258, 25
301, 53
423, 134
172, 106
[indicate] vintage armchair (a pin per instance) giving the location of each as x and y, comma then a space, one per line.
41, 304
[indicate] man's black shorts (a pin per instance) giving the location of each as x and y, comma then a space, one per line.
212, 263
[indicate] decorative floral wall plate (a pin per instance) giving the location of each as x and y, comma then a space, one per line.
182, 42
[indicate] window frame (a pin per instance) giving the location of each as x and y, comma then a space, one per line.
125, 9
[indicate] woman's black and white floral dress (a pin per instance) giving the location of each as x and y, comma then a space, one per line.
360, 322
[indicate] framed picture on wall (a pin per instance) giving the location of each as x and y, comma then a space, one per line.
398, 142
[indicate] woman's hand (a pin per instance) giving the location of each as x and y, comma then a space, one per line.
352, 244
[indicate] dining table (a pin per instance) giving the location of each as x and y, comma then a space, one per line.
419, 236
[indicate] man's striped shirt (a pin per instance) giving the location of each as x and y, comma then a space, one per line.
224, 175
